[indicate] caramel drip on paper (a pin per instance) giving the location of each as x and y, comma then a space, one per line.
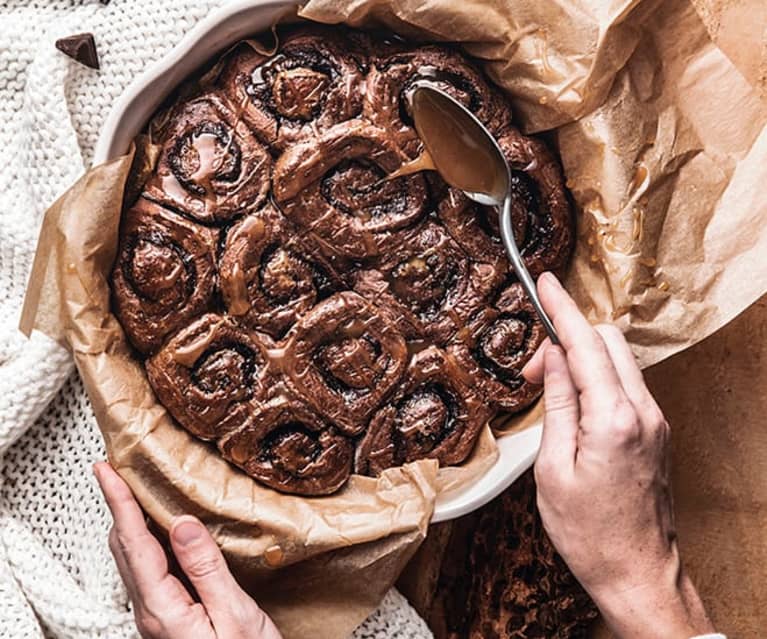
274, 555
543, 51
640, 180
626, 277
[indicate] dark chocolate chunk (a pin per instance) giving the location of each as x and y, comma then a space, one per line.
80, 47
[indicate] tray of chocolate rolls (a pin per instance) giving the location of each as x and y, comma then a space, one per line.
301, 294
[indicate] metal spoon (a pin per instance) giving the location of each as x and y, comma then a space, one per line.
468, 158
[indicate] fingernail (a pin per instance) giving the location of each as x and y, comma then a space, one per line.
526, 367
187, 532
554, 357
549, 279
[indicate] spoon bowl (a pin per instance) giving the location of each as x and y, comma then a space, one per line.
462, 149
468, 158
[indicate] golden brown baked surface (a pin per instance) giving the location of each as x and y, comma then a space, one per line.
297, 306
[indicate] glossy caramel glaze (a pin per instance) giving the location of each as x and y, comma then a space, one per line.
436, 414
212, 167
305, 289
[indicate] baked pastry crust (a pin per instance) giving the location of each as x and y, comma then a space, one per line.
212, 168
436, 414
164, 274
379, 310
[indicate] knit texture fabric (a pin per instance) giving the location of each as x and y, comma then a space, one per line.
57, 577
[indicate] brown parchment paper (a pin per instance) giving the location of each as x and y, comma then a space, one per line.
713, 396
739, 29
317, 565
662, 139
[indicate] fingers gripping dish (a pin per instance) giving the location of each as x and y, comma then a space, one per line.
303, 301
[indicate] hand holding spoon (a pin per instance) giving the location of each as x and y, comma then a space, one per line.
468, 158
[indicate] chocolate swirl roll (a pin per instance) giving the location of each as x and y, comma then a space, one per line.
209, 375
312, 83
476, 228
336, 187
542, 216
164, 273
391, 77
538, 187
497, 344
299, 285
435, 415
211, 167
427, 285
268, 277
288, 447
345, 358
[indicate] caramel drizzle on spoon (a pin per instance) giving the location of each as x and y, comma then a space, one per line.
423, 162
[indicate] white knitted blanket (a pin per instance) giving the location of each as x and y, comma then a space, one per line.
57, 578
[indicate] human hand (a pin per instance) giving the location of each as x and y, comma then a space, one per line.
603, 479
163, 607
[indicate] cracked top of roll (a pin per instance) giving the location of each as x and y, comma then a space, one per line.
303, 292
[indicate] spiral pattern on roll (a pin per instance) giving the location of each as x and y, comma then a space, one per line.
211, 167
435, 415
269, 277
336, 187
302, 291
497, 344
164, 273
310, 84
428, 286
345, 358
391, 78
291, 449
210, 375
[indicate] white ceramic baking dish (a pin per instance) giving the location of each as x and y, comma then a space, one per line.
234, 21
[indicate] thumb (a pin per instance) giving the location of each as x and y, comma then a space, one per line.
201, 560
232, 611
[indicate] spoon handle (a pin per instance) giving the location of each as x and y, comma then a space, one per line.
507, 235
